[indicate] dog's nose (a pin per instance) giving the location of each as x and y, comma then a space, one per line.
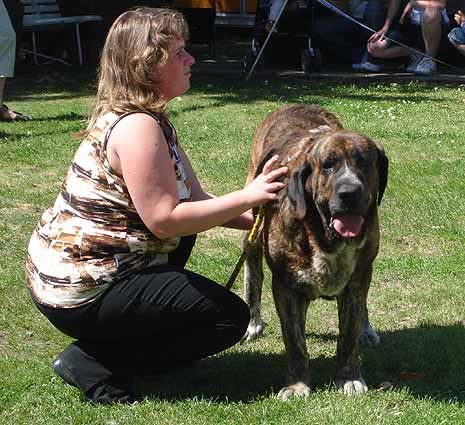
349, 194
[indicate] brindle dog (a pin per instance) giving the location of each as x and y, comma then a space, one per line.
320, 238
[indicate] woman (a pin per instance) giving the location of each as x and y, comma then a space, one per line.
106, 263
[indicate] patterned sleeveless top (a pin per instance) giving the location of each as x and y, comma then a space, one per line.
93, 235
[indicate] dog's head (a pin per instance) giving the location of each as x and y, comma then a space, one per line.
341, 177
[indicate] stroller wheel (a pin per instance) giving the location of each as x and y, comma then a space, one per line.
311, 60
249, 60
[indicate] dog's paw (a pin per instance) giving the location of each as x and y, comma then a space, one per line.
352, 387
297, 390
369, 338
254, 330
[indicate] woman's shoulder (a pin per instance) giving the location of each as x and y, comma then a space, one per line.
137, 123
111, 119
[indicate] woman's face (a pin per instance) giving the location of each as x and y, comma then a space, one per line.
174, 75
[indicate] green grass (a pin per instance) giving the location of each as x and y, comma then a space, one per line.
417, 299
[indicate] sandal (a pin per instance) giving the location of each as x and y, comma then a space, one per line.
7, 115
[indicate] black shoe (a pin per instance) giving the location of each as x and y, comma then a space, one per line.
108, 391
63, 372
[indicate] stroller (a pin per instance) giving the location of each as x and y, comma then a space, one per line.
290, 40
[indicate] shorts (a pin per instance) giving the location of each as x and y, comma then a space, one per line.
456, 36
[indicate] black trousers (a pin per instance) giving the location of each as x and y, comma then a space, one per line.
152, 320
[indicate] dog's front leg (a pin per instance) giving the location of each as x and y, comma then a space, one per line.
351, 310
292, 311
253, 283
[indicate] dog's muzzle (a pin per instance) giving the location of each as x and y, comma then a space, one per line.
346, 210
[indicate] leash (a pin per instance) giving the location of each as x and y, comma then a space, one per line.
245, 252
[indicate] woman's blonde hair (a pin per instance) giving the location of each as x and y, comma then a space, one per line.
137, 42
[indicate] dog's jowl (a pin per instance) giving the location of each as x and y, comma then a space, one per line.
320, 238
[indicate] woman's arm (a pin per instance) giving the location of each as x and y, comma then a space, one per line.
242, 222
138, 150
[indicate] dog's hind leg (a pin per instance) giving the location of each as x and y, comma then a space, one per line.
253, 283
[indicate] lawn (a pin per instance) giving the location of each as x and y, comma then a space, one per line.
417, 299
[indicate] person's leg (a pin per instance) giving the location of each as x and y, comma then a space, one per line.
460, 48
7, 62
410, 35
374, 18
431, 28
170, 315
2, 88
154, 320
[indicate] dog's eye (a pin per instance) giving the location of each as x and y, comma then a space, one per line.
362, 161
328, 164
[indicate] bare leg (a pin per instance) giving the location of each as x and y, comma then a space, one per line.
2, 89
460, 48
381, 49
431, 30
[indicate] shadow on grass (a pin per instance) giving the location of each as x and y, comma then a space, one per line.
70, 116
428, 361
73, 83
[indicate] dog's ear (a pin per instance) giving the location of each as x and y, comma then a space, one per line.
296, 190
383, 165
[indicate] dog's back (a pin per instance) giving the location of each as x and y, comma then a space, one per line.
283, 129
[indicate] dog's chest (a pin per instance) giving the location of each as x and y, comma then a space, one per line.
326, 274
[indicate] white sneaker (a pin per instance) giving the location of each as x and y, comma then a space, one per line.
426, 67
415, 59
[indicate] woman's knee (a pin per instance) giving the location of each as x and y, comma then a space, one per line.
238, 315
377, 49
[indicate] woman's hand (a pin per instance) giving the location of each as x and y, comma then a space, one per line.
378, 35
264, 187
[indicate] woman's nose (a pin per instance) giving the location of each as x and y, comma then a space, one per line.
190, 59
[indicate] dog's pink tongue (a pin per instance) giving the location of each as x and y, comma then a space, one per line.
348, 225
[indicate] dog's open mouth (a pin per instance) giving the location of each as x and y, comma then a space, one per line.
347, 225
